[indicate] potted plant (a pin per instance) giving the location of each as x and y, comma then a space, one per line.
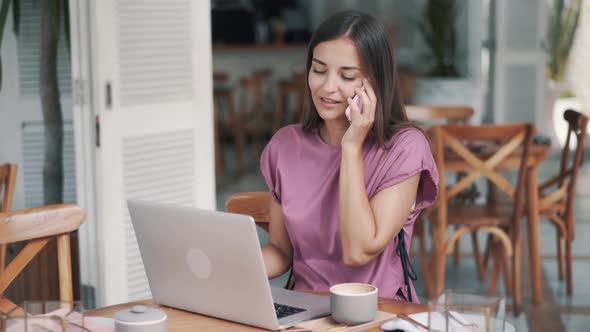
439, 31
563, 22
451, 58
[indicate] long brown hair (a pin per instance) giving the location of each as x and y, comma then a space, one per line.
377, 60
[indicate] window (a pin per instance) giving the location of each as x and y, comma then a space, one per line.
28, 51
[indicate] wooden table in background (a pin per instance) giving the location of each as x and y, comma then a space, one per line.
180, 320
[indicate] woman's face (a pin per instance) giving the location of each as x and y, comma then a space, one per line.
334, 74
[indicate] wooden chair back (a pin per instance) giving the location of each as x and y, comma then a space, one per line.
457, 145
562, 198
447, 114
223, 96
425, 116
577, 127
558, 194
290, 99
226, 121
220, 76
38, 226
7, 183
483, 152
255, 204
253, 92
263, 77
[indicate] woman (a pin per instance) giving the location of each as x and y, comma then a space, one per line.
347, 193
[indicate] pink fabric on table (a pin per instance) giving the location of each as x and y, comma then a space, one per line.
52, 321
302, 172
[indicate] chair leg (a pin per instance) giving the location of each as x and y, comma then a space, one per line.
495, 267
457, 251
481, 272
218, 151
64, 262
506, 272
560, 253
239, 134
2, 257
516, 278
239, 141
440, 263
256, 137
486, 253
568, 266
426, 273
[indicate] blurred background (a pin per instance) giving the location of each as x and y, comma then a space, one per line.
174, 101
442, 50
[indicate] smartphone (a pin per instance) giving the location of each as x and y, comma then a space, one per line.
348, 111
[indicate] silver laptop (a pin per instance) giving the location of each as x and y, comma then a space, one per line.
211, 263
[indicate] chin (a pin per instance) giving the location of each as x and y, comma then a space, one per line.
330, 114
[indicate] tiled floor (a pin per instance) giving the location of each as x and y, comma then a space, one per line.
558, 312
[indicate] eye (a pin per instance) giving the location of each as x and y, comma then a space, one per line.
348, 78
318, 71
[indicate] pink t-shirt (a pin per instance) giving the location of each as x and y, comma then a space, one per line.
302, 172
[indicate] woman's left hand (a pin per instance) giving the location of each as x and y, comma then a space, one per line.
361, 122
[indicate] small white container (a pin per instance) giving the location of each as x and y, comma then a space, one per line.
140, 318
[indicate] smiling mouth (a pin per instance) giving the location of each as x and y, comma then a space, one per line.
329, 101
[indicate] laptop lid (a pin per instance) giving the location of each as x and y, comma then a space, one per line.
204, 261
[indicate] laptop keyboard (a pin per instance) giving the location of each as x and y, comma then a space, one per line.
284, 310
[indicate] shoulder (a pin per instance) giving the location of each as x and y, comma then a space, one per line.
283, 140
409, 139
288, 134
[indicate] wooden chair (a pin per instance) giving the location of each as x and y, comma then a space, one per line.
255, 111
424, 115
292, 87
461, 148
38, 226
7, 182
256, 205
227, 124
557, 194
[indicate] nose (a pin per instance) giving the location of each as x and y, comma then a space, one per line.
330, 83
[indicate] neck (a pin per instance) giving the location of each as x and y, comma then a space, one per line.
332, 132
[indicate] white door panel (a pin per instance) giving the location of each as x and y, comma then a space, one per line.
151, 82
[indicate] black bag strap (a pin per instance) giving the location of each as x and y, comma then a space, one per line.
407, 267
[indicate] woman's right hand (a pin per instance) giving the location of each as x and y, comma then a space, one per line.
362, 123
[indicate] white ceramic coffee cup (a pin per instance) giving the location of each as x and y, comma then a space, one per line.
353, 303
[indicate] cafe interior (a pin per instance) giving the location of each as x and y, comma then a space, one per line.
499, 87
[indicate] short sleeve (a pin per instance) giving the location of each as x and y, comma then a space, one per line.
269, 167
409, 155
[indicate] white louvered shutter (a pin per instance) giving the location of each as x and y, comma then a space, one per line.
28, 49
152, 81
33, 145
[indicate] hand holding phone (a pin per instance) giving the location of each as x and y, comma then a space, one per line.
359, 103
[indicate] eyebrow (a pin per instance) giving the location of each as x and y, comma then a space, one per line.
343, 67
